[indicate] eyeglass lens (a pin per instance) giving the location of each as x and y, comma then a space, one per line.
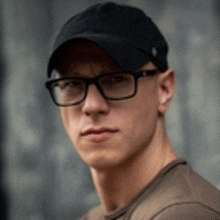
113, 86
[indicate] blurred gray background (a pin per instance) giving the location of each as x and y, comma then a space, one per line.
42, 176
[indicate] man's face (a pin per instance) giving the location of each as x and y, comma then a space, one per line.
108, 133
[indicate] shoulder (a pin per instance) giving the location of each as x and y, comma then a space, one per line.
195, 189
180, 194
185, 186
184, 211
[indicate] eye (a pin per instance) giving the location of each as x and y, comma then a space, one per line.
119, 78
69, 84
116, 79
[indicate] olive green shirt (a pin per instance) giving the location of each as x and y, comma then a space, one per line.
177, 192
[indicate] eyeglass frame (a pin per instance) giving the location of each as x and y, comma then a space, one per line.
95, 80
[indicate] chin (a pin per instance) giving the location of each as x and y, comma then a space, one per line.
101, 161
103, 155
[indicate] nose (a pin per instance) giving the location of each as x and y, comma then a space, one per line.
94, 103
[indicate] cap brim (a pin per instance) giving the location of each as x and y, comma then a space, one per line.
124, 53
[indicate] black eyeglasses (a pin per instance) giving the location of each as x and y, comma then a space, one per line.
121, 85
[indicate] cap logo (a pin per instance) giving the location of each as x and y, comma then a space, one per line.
154, 52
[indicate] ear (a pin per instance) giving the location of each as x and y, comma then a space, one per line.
166, 90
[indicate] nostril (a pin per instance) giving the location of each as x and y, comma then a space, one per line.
88, 113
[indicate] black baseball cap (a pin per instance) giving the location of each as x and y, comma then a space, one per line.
125, 32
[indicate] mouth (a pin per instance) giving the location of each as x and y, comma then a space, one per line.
98, 135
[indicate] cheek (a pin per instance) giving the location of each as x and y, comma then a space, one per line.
70, 122
65, 117
142, 120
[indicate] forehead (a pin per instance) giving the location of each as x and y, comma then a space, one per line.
85, 55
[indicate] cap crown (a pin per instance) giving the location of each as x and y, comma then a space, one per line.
125, 24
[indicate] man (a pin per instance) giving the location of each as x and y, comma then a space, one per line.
111, 79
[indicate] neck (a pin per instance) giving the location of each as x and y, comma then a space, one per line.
119, 185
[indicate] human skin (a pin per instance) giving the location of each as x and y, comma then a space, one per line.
127, 142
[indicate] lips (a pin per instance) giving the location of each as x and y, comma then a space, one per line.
98, 134
98, 131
